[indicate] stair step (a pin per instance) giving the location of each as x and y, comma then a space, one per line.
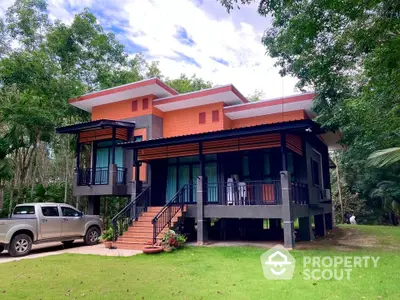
135, 240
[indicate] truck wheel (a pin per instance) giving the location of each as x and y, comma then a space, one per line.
67, 243
92, 236
20, 245
1, 248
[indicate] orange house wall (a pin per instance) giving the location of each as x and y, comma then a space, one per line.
186, 121
268, 119
123, 109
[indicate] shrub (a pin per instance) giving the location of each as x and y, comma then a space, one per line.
108, 235
173, 240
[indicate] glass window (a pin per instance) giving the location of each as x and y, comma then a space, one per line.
189, 159
50, 211
69, 212
138, 138
246, 171
24, 210
315, 172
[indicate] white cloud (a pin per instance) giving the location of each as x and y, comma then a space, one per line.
153, 25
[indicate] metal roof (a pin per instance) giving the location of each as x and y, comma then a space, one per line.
95, 124
289, 126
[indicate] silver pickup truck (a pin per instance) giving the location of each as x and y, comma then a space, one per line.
34, 223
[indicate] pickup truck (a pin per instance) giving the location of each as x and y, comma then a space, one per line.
34, 223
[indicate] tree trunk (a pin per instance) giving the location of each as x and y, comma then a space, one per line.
339, 187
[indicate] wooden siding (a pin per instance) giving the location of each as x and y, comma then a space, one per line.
102, 134
227, 145
293, 142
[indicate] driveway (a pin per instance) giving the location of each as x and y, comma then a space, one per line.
43, 250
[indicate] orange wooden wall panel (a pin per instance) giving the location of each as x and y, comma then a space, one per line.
186, 121
123, 109
268, 119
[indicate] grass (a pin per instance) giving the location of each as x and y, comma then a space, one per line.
193, 273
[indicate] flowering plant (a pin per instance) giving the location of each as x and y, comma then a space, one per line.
173, 240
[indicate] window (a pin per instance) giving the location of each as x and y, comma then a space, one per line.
70, 212
145, 103
134, 105
291, 165
24, 210
267, 166
215, 115
202, 118
50, 211
315, 172
138, 138
245, 167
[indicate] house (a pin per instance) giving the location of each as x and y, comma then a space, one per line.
209, 161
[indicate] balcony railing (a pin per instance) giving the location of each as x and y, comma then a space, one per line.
299, 193
121, 175
244, 193
88, 177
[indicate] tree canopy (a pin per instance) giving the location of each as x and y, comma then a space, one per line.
43, 64
348, 52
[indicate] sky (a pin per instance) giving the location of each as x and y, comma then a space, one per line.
189, 36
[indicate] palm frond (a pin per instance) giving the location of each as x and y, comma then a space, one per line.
385, 157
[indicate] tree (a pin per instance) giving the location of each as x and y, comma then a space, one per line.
347, 51
256, 96
184, 84
385, 157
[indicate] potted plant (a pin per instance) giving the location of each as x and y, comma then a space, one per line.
173, 240
108, 237
152, 249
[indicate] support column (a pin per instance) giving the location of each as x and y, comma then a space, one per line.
113, 145
319, 222
78, 153
328, 221
288, 228
202, 228
283, 151
94, 157
305, 229
94, 205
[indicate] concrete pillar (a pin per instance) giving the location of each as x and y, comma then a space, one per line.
319, 222
112, 174
305, 228
202, 228
288, 228
328, 221
94, 205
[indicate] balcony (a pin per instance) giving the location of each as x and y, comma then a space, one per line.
99, 181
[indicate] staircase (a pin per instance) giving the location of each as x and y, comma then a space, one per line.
140, 234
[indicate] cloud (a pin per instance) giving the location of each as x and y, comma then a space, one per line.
190, 37
182, 36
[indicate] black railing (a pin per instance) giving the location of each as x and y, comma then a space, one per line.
132, 211
121, 175
299, 193
168, 212
86, 176
244, 193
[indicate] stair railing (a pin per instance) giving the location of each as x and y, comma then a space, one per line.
130, 212
168, 212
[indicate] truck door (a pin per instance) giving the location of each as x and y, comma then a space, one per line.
73, 224
50, 222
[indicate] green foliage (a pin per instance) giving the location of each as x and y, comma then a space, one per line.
184, 84
108, 235
348, 52
385, 157
173, 240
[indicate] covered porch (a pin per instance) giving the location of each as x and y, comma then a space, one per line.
272, 171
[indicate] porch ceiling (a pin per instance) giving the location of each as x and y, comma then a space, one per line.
99, 124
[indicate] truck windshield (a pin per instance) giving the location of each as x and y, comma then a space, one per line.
24, 210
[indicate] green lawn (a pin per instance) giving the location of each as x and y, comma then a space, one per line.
192, 273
